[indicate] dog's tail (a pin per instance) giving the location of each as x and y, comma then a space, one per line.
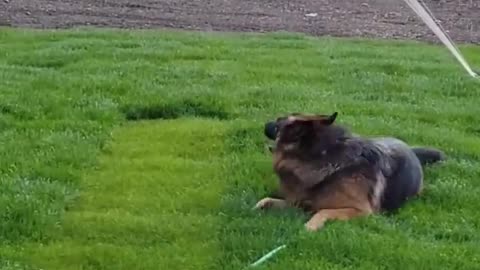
428, 156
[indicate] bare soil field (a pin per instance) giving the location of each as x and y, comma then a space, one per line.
367, 18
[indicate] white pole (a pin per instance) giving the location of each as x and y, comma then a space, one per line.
442, 35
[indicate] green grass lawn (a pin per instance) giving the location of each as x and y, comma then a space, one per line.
145, 150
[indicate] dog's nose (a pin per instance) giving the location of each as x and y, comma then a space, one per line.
271, 130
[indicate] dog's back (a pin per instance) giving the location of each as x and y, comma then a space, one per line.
402, 171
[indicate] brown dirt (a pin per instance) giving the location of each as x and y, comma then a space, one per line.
370, 18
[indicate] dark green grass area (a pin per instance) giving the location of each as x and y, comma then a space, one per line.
84, 186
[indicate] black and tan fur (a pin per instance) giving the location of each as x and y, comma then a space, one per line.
333, 174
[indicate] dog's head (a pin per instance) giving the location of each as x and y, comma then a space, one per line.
302, 132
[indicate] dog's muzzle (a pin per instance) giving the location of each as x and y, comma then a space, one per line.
271, 130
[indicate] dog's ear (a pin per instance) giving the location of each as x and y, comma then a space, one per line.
330, 119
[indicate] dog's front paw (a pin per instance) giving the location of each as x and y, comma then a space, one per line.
264, 203
313, 226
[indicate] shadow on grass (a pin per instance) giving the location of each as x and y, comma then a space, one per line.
175, 110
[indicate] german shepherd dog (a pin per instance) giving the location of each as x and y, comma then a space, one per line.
332, 174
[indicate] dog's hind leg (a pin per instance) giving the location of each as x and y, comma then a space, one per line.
268, 202
318, 219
